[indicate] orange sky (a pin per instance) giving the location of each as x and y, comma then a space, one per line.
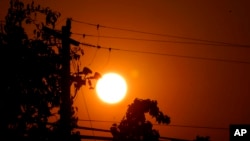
193, 92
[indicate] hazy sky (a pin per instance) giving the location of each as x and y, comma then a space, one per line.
196, 84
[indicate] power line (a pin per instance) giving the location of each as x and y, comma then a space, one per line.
173, 125
111, 138
158, 34
168, 54
93, 129
85, 103
189, 126
164, 41
108, 131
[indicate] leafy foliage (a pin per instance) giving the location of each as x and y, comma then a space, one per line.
135, 127
32, 75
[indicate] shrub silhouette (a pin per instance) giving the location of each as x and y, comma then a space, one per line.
135, 127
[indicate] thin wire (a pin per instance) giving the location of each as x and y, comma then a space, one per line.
93, 58
105, 130
173, 125
74, 67
158, 34
97, 44
74, 70
107, 62
61, 20
167, 54
90, 121
189, 126
98, 32
165, 41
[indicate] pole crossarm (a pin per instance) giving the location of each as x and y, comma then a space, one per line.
59, 35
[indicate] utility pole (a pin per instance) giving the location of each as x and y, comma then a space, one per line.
65, 108
66, 103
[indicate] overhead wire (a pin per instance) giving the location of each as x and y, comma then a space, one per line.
75, 69
173, 125
161, 138
159, 34
163, 41
200, 41
108, 58
93, 58
85, 103
97, 44
60, 21
168, 54
87, 112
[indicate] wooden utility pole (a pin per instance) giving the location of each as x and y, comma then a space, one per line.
66, 104
65, 108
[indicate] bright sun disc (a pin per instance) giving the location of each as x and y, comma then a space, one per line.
111, 88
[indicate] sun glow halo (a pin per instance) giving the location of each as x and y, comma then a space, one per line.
111, 88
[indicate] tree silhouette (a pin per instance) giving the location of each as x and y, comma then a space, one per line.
135, 127
31, 87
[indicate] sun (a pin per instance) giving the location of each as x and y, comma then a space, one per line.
111, 88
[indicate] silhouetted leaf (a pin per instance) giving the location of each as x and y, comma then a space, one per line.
32, 87
135, 126
86, 71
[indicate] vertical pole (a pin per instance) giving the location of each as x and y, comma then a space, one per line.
65, 108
